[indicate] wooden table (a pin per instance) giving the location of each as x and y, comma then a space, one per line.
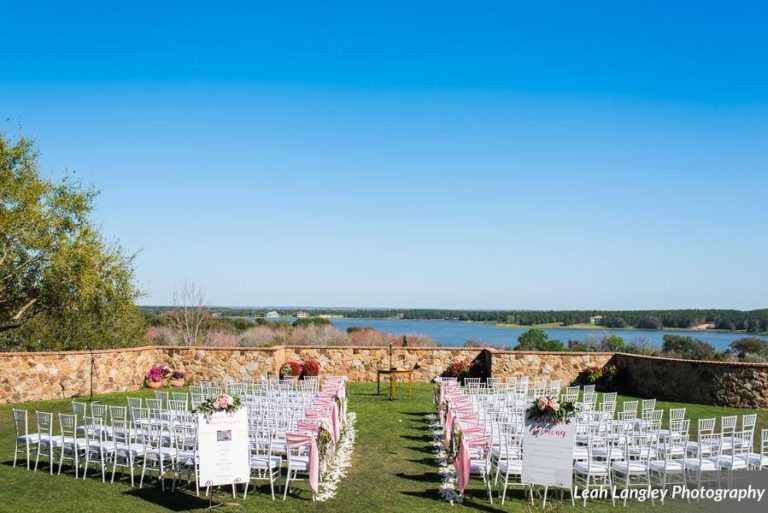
393, 374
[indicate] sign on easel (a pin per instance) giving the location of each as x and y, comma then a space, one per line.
548, 454
223, 447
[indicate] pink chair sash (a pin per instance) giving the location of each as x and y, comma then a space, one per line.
306, 425
463, 462
296, 440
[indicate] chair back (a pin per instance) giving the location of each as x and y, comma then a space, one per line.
20, 422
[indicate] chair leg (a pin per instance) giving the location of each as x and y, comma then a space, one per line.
287, 480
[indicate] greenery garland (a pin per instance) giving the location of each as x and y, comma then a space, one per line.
455, 443
221, 403
324, 441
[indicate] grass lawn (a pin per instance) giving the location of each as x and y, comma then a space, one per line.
393, 469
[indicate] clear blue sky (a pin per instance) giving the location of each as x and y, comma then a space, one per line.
423, 154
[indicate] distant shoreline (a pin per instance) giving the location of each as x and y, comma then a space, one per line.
549, 326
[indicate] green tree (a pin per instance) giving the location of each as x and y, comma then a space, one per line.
688, 348
750, 346
536, 339
61, 285
613, 343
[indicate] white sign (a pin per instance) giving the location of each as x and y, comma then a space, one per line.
223, 447
548, 453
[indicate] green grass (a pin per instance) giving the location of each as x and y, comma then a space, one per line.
393, 469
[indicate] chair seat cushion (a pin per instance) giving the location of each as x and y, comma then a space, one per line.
696, 464
629, 467
265, 462
758, 460
511, 467
666, 465
32, 438
595, 468
299, 462
735, 463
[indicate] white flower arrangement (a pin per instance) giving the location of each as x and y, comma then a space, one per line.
446, 469
338, 468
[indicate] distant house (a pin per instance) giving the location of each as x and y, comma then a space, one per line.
272, 315
596, 319
302, 315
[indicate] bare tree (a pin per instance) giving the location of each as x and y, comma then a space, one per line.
190, 317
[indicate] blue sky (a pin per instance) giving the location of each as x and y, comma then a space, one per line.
446, 154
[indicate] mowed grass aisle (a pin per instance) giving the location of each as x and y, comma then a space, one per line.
393, 469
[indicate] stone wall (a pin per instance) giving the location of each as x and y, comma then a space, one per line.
50, 375
551, 365
743, 385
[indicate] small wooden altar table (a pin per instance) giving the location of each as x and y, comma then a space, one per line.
393, 374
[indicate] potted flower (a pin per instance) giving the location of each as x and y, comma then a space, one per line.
310, 367
460, 369
155, 376
178, 378
291, 369
602, 377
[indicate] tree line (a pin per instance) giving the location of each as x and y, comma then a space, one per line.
753, 321
747, 349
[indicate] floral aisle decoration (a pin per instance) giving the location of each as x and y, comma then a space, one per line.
292, 368
445, 466
454, 444
551, 411
221, 403
324, 440
338, 468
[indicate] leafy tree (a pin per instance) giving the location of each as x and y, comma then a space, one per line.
613, 343
749, 346
536, 339
61, 285
531, 340
689, 348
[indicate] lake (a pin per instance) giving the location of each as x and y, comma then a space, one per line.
455, 333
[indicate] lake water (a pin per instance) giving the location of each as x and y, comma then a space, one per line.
455, 333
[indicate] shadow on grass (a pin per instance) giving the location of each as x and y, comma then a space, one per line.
420, 478
418, 438
421, 448
177, 501
469, 501
420, 414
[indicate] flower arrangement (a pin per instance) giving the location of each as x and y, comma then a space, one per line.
178, 374
291, 368
460, 368
455, 443
310, 367
221, 403
550, 410
324, 439
156, 374
603, 377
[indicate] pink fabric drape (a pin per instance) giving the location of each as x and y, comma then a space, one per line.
463, 462
296, 440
